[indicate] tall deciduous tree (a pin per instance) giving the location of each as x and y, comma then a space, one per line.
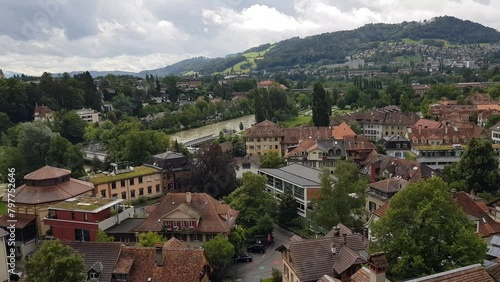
103, 237
425, 232
72, 127
149, 239
477, 168
342, 197
287, 209
33, 144
54, 261
219, 251
213, 172
252, 200
321, 108
272, 160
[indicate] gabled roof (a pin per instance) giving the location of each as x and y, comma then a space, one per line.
341, 229
181, 264
42, 111
311, 259
338, 132
487, 226
213, 213
471, 273
21, 220
264, 129
382, 210
103, 256
47, 172
390, 185
363, 275
185, 209
426, 123
295, 135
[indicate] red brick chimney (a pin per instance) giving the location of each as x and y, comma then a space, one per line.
159, 254
378, 266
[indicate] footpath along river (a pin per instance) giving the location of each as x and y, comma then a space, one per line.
214, 129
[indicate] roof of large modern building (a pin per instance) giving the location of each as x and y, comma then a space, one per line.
47, 172
86, 204
297, 174
138, 171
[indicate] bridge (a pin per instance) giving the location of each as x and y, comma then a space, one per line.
195, 143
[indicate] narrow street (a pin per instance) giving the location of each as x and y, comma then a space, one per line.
262, 264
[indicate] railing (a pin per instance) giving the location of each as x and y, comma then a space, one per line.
113, 220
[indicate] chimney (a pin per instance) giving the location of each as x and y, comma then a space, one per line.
188, 197
378, 266
372, 172
159, 254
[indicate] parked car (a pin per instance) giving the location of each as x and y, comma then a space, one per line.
256, 248
243, 258
15, 276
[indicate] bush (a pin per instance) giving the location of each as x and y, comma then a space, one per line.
276, 275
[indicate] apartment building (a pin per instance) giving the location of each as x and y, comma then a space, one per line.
263, 138
88, 115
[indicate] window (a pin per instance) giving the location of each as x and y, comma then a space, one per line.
176, 224
196, 237
191, 223
140, 179
123, 183
372, 206
103, 193
209, 236
405, 146
82, 235
120, 277
150, 189
246, 166
141, 191
114, 196
131, 181
398, 146
93, 275
276, 147
157, 188
124, 195
73, 215
132, 193
170, 176
170, 186
85, 216
258, 139
113, 185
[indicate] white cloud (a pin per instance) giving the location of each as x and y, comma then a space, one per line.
138, 35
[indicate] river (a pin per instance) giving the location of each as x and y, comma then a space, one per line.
214, 129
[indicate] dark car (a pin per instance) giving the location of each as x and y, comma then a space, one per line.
15, 276
256, 248
243, 258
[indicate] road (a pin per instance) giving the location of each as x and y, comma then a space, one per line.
262, 264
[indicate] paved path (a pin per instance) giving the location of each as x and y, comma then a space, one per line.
262, 264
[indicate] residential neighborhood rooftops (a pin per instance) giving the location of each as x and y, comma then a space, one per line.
295, 173
138, 171
390, 185
126, 226
338, 132
264, 129
487, 226
471, 273
87, 204
21, 220
93, 252
363, 275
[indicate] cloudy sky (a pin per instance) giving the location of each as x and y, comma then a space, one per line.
135, 35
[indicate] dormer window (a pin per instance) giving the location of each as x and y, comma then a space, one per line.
120, 277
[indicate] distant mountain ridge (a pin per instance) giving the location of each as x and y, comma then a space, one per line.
333, 47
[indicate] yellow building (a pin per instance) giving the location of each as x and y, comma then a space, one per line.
263, 138
128, 183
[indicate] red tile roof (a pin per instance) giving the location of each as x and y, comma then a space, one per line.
296, 135
303, 146
22, 220
180, 264
213, 213
426, 123
47, 172
472, 273
449, 135
264, 129
382, 211
41, 111
340, 131
487, 226
390, 185
363, 275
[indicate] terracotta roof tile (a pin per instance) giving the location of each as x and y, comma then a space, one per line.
426, 123
338, 132
382, 211
390, 185
264, 129
363, 275
22, 220
47, 172
494, 272
296, 135
213, 213
472, 273
487, 226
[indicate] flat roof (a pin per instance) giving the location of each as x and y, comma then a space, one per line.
296, 174
86, 204
138, 171
125, 226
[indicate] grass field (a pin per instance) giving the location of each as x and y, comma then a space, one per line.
3, 208
411, 41
297, 121
408, 59
251, 57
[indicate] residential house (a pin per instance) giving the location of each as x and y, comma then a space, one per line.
125, 230
336, 255
493, 209
378, 265
172, 261
438, 111
376, 215
421, 89
493, 251
295, 135
88, 115
396, 146
4, 273
486, 226
266, 84
302, 182
128, 183
25, 232
173, 166
81, 218
380, 123
263, 138
495, 133
191, 217
379, 166
99, 259
380, 192
483, 117
358, 147
189, 84
438, 147
43, 113
471, 273
45, 187
95, 150
318, 154
247, 163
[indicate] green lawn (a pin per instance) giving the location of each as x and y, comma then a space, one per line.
3, 208
251, 57
411, 41
297, 121
408, 59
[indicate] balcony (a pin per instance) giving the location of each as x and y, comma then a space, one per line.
128, 212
